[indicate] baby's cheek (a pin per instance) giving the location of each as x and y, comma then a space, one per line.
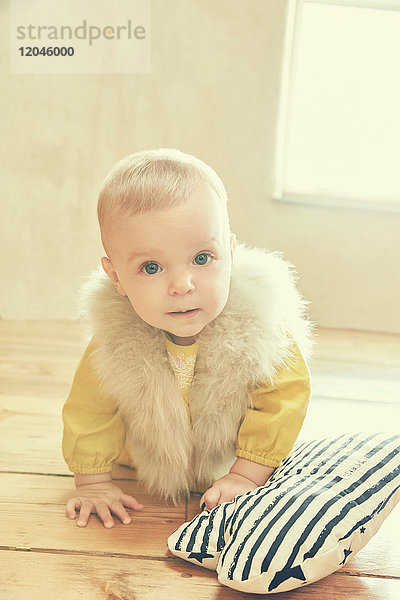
221, 296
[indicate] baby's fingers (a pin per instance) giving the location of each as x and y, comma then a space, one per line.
84, 514
103, 511
71, 506
212, 497
118, 510
131, 502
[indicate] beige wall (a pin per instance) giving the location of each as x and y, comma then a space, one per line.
213, 91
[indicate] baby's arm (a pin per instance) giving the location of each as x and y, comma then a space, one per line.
97, 494
244, 475
268, 432
93, 438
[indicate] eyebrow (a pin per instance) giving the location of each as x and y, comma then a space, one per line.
148, 252
154, 251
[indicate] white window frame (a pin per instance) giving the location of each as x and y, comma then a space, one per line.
290, 53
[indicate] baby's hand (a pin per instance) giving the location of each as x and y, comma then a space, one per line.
102, 499
226, 489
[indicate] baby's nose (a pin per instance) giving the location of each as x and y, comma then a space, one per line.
181, 283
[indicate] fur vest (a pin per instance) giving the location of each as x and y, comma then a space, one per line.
175, 448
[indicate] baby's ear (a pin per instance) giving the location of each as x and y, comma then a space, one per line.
112, 274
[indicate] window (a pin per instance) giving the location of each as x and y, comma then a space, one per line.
340, 107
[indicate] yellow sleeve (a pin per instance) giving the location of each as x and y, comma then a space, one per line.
270, 428
94, 433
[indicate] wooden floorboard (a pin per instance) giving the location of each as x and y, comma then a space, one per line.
39, 489
44, 527
116, 578
44, 555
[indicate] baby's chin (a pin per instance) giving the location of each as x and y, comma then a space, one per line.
184, 338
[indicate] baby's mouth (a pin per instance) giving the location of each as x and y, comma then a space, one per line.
184, 313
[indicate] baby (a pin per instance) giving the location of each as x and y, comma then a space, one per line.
196, 371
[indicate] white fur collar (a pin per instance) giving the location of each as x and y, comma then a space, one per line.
240, 349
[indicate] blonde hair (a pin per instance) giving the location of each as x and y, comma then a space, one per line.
152, 180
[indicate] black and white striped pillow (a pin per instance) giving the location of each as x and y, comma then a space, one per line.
323, 504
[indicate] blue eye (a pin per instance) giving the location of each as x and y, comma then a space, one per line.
202, 259
151, 268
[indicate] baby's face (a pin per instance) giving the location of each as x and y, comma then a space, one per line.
174, 264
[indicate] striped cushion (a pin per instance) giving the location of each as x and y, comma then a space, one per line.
326, 500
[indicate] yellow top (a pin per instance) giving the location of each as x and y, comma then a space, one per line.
182, 359
94, 434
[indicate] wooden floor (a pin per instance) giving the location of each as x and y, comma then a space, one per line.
43, 555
